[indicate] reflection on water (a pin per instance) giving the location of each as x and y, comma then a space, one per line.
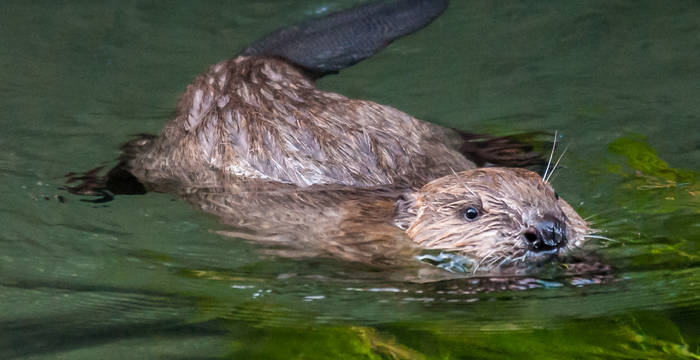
149, 276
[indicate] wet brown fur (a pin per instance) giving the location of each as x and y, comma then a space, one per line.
263, 118
255, 142
510, 202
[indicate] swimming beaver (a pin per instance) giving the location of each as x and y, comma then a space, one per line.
255, 142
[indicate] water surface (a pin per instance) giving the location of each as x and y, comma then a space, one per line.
148, 276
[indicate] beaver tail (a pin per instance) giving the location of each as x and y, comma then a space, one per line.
333, 42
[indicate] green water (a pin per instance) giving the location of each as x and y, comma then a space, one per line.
147, 276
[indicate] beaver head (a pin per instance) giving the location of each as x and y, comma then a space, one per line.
499, 217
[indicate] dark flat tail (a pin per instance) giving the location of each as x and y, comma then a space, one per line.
338, 40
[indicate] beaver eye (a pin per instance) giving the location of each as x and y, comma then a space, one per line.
471, 213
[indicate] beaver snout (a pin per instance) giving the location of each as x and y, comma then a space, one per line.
549, 234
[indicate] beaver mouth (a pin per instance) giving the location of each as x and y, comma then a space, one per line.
541, 255
529, 262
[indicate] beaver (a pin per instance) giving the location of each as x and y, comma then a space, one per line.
257, 143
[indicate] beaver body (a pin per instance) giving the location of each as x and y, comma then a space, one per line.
255, 142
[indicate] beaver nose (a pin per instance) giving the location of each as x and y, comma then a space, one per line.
548, 234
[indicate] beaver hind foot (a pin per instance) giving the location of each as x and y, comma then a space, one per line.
117, 181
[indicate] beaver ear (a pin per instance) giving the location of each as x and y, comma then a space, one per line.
405, 210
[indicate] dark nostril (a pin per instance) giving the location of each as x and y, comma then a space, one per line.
530, 236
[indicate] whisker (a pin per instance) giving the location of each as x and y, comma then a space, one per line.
476, 268
600, 237
549, 162
557, 163
591, 217
505, 259
492, 260
488, 255
607, 211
